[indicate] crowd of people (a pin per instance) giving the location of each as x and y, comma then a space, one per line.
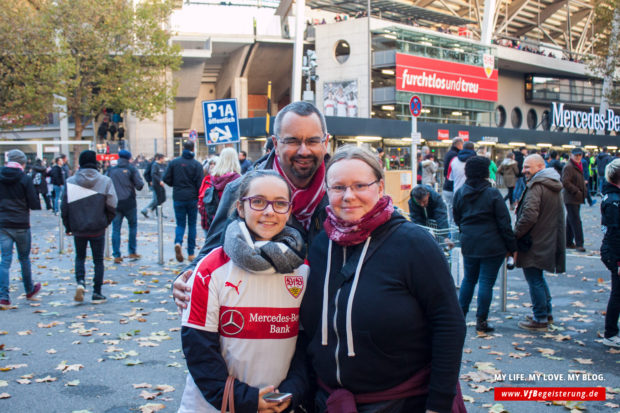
300, 239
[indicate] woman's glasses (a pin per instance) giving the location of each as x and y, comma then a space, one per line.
258, 203
341, 189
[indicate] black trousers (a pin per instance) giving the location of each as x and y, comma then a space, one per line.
574, 230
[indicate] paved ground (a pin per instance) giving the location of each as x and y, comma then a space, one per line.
124, 355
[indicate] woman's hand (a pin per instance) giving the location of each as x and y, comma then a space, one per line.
180, 291
265, 406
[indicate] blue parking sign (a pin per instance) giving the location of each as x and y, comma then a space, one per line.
221, 122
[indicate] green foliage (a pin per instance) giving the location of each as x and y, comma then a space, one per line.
107, 54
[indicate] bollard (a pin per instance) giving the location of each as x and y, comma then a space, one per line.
61, 235
160, 235
504, 287
106, 252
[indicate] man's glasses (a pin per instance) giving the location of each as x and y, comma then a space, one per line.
296, 143
258, 203
341, 189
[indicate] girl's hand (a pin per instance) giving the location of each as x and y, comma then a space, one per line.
265, 406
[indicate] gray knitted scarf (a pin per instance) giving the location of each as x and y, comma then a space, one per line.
282, 253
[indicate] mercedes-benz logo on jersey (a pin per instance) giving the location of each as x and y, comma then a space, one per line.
231, 322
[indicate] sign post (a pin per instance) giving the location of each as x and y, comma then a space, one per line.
221, 121
415, 105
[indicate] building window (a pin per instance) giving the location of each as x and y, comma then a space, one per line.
500, 116
532, 119
342, 51
516, 118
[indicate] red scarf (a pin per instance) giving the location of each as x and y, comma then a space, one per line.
348, 233
578, 165
305, 200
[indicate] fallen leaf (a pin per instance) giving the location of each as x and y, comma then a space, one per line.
141, 386
4, 383
132, 362
583, 361
498, 408
4, 395
46, 379
24, 333
23, 381
148, 395
164, 388
152, 407
72, 383
51, 351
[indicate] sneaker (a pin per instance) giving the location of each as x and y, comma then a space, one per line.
135, 256
549, 318
178, 252
533, 325
98, 298
483, 327
4, 304
79, 293
35, 290
191, 257
612, 341
146, 214
118, 260
580, 249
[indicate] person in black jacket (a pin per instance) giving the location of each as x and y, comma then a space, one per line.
126, 179
448, 185
610, 249
39, 173
486, 237
426, 208
156, 185
184, 175
88, 207
57, 176
17, 198
602, 160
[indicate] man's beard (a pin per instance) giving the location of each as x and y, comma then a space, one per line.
306, 173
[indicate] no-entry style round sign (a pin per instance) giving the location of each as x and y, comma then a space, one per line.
415, 105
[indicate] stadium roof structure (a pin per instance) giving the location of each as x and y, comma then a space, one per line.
566, 24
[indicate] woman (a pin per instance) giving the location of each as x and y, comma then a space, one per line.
486, 237
610, 248
226, 170
429, 169
381, 315
243, 316
509, 170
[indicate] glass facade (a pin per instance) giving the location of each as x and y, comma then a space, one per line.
392, 104
542, 89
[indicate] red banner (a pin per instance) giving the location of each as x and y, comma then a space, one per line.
463, 134
549, 393
443, 134
107, 157
437, 77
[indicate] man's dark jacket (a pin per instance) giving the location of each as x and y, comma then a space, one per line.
610, 220
57, 175
435, 210
17, 198
126, 179
574, 184
184, 175
602, 159
447, 184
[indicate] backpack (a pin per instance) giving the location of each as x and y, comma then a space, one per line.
147, 173
36, 178
208, 207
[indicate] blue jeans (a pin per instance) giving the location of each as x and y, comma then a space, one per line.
519, 188
481, 271
539, 293
97, 245
186, 212
21, 239
132, 221
57, 197
153, 204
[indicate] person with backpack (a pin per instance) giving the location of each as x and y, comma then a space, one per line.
153, 175
38, 174
126, 179
225, 171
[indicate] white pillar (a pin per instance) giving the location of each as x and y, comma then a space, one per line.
298, 50
487, 22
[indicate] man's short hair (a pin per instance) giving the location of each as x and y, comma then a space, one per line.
419, 192
553, 154
300, 108
469, 145
158, 156
523, 148
456, 140
188, 145
244, 153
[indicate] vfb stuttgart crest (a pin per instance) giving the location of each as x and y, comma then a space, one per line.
489, 64
294, 284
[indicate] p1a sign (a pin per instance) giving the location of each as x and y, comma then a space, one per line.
221, 122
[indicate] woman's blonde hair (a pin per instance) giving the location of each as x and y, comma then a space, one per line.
228, 162
612, 172
356, 152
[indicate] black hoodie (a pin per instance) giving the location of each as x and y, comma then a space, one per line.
17, 198
184, 175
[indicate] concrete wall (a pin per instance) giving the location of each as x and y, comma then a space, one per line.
511, 94
354, 32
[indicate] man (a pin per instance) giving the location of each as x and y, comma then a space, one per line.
89, 205
17, 198
184, 175
156, 184
245, 163
66, 168
456, 170
585, 164
448, 185
57, 178
602, 160
300, 145
426, 208
539, 230
126, 179
520, 184
554, 162
574, 194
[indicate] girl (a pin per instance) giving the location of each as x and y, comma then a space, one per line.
243, 315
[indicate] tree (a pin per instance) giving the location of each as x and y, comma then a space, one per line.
27, 65
114, 54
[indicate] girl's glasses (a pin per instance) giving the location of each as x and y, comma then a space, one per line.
258, 203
